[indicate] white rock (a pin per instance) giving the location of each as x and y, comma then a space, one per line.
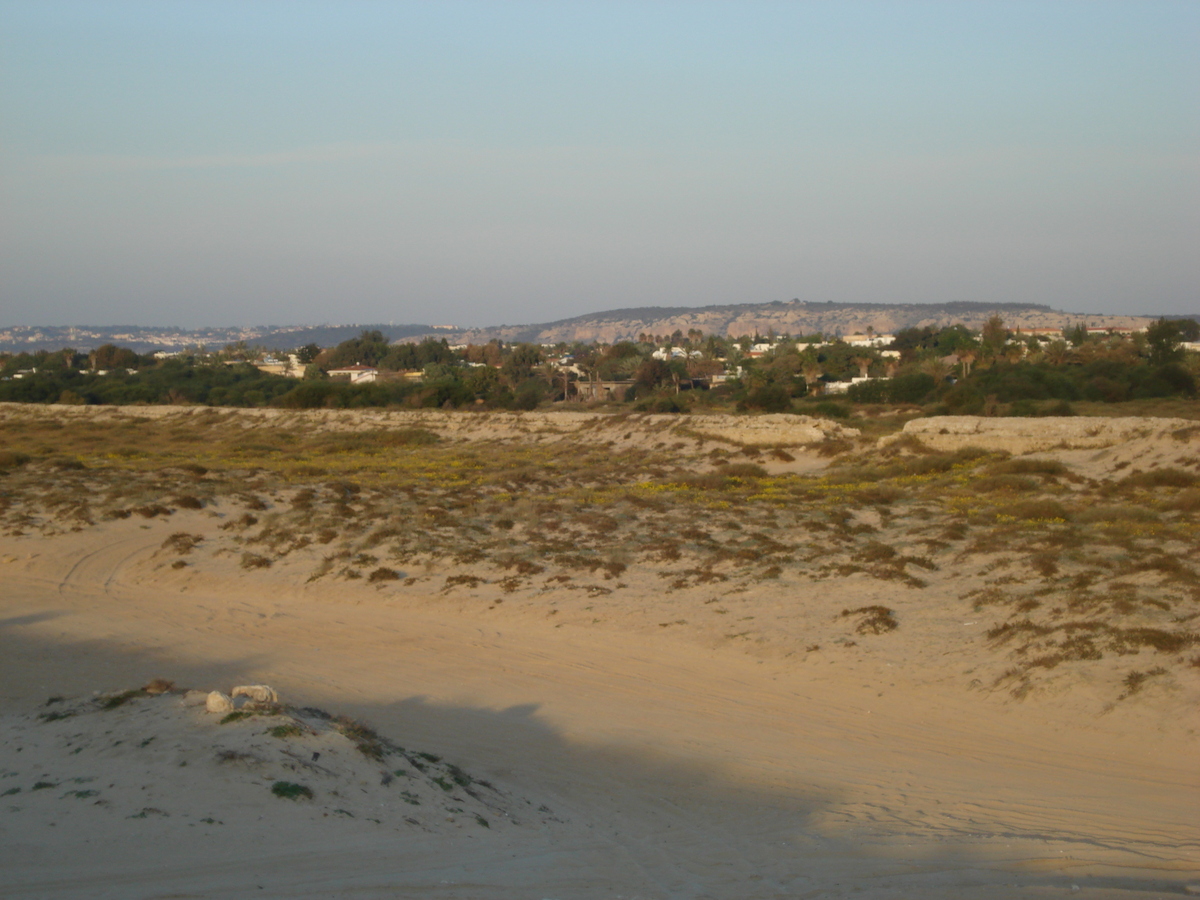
263, 693
216, 702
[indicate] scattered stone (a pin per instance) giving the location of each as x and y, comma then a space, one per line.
159, 686
216, 702
262, 693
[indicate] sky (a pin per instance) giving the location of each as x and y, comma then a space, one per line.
483, 163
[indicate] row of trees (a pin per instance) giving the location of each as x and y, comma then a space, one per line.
167, 381
104, 358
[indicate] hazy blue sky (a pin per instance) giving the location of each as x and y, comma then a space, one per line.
252, 162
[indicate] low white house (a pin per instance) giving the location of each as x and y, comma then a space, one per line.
356, 374
291, 367
869, 340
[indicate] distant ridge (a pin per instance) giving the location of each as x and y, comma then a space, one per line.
147, 339
793, 317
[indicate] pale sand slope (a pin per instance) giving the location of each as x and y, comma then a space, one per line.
673, 769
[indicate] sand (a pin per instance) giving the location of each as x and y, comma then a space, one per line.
625, 756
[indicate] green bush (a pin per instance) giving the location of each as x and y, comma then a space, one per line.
289, 790
910, 387
831, 410
772, 398
528, 395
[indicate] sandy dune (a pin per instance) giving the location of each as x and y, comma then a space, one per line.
625, 758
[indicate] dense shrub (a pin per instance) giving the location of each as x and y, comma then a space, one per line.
1104, 380
661, 404
910, 387
528, 395
1170, 380
1177, 478
773, 398
964, 399
831, 410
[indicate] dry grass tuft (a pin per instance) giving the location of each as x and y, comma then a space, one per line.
1029, 466
1156, 478
1135, 680
874, 619
182, 542
365, 739
743, 470
159, 686
830, 447
11, 459
1186, 501
1044, 510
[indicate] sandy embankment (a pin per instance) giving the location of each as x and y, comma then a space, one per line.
660, 762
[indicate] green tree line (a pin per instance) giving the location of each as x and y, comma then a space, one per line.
953, 369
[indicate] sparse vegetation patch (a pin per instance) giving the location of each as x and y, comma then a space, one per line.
552, 523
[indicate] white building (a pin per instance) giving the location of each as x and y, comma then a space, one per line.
869, 340
840, 387
356, 374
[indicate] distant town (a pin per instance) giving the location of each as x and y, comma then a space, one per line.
1018, 365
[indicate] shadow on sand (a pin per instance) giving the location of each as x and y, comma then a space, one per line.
603, 820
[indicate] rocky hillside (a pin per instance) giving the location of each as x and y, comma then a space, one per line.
795, 317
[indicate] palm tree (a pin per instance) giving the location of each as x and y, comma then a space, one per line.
935, 367
812, 373
966, 357
1057, 353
